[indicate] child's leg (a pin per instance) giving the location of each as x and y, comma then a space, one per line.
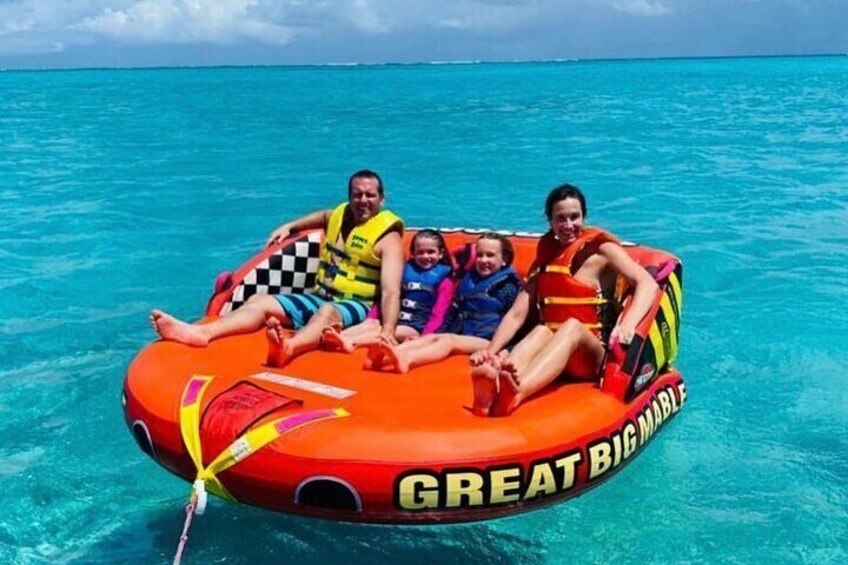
366, 328
406, 333
349, 339
383, 356
429, 349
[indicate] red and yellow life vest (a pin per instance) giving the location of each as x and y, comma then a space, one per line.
560, 296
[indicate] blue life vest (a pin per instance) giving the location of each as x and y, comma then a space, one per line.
418, 293
478, 312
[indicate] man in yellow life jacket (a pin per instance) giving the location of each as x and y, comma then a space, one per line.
361, 260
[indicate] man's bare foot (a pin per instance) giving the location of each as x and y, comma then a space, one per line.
333, 340
484, 379
509, 396
279, 350
382, 356
172, 329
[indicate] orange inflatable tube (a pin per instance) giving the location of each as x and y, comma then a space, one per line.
321, 437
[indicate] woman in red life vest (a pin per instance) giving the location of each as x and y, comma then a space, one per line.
571, 288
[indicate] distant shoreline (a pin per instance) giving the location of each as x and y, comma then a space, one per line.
337, 65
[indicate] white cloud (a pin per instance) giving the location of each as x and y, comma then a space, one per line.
320, 30
478, 16
31, 26
186, 21
642, 8
365, 17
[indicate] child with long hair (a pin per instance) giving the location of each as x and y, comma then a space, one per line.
426, 292
484, 295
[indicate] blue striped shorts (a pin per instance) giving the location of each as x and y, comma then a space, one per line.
299, 308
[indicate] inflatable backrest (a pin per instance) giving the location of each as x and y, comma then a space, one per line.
290, 267
524, 243
286, 268
654, 347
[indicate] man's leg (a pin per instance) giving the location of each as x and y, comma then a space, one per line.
282, 349
250, 317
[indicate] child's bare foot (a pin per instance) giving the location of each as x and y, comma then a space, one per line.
172, 329
279, 351
383, 356
333, 340
484, 379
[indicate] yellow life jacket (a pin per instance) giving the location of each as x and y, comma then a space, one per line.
353, 271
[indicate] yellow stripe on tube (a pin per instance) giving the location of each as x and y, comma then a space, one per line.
671, 319
678, 292
657, 342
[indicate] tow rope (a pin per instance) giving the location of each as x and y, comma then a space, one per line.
247, 444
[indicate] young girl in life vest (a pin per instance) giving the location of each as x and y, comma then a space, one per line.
483, 296
426, 292
571, 288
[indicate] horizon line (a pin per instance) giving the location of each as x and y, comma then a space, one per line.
458, 62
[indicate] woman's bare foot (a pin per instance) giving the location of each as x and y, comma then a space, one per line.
383, 356
484, 379
332, 339
172, 329
509, 396
279, 351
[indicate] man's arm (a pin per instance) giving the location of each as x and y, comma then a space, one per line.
390, 250
318, 219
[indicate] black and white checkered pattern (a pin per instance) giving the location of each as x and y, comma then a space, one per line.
290, 270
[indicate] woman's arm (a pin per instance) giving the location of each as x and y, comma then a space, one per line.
318, 219
644, 290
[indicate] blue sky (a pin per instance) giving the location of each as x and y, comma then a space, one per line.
101, 33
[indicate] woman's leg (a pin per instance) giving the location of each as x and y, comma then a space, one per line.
250, 317
283, 348
485, 378
527, 349
519, 383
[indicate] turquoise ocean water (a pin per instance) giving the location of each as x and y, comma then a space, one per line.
130, 189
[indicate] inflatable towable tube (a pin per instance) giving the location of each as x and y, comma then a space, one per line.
321, 437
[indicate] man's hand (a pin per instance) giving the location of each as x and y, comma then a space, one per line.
278, 235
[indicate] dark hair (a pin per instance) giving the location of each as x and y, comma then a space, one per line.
562, 192
506, 245
435, 236
365, 174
